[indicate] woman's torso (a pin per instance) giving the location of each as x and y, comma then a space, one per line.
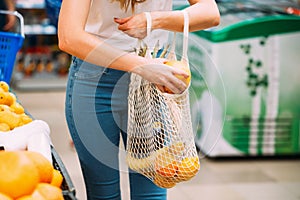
101, 22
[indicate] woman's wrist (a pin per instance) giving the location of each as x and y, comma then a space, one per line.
129, 62
137, 65
164, 20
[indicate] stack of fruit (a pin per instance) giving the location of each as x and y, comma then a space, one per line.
28, 175
18, 131
11, 112
173, 167
167, 166
26, 169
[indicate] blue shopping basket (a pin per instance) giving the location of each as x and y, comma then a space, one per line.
10, 44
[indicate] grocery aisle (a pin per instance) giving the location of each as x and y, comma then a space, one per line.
226, 180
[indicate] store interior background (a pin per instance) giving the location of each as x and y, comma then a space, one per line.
42, 94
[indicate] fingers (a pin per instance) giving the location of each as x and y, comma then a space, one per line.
180, 72
170, 84
123, 23
133, 26
122, 20
161, 88
165, 76
176, 85
10, 23
123, 26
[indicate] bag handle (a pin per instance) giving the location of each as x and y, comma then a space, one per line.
172, 54
185, 36
148, 29
149, 23
149, 26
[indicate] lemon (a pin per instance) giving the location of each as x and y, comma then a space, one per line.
179, 65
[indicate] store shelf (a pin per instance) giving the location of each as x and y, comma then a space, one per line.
29, 4
39, 29
39, 65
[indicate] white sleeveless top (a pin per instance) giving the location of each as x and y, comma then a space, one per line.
101, 22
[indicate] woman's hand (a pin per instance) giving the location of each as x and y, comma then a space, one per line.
10, 22
162, 75
134, 26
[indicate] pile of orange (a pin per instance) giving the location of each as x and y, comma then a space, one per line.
171, 169
28, 175
11, 112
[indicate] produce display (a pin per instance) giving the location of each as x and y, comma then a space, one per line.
11, 112
28, 175
18, 131
26, 166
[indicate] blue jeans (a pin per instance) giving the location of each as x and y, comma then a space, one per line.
96, 113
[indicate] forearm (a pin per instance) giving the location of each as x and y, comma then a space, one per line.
203, 14
74, 40
103, 54
10, 5
92, 49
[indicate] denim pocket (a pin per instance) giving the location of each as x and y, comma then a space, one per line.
85, 70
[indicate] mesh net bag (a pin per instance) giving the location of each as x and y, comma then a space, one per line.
160, 142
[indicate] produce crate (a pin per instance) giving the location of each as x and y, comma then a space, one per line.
67, 187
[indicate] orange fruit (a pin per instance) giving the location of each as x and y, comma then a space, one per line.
165, 163
7, 98
46, 191
179, 65
4, 197
188, 168
24, 119
4, 86
57, 178
28, 197
10, 98
43, 165
139, 164
163, 182
17, 108
4, 127
7, 116
168, 170
3, 96
19, 176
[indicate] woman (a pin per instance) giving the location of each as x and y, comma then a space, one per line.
101, 35
7, 21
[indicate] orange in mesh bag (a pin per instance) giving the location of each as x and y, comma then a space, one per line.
160, 143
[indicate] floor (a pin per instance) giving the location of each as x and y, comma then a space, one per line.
263, 179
